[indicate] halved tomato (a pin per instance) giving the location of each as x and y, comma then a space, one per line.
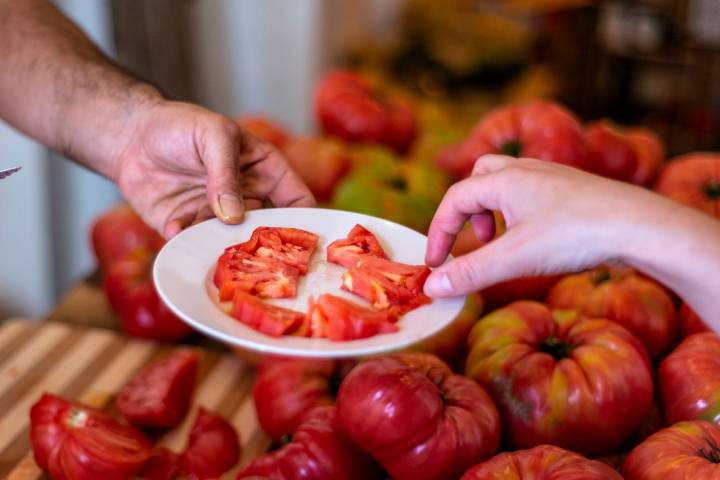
159, 396
339, 319
213, 447
291, 246
388, 285
360, 243
264, 317
265, 277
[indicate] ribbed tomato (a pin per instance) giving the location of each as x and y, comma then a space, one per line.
559, 378
689, 380
544, 462
650, 154
417, 418
637, 303
610, 152
693, 180
685, 451
213, 447
690, 322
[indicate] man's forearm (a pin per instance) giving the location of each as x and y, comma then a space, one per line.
56, 86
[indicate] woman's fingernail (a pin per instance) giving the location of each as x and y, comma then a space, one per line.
232, 208
438, 285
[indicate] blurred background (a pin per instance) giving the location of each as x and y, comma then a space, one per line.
654, 63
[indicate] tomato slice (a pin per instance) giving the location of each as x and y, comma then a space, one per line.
159, 396
213, 447
388, 285
291, 246
264, 317
262, 276
73, 441
339, 319
359, 243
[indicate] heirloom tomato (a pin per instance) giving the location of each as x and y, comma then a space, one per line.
610, 151
318, 451
693, 180
131, 292
685, 451
559, 378
321, 163
159, 396
416, 418
163, 465
650, 154
340, 319
213, 447
291, 246
73, 441
237, 270
690, 322
618, 294
538, 129
388, 285
265, 129
269, 319
689, 380
347, 106
286, 390
120, 231
544, 462
359, 243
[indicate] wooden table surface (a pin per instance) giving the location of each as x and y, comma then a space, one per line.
65, 355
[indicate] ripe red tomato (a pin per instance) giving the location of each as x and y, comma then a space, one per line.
159, 396
544, 462
261, 276
73, 441
610, 152
269, 319
523, 288
690, 322
163, 465
287, 390
388, 285
637, 303
538, 129
321, 162
693, 180
265, 129
417, 418
213, 447
291, 246
689, 380
318, 451
131, 292
557, 376
359, 243
650, 154
340, 319
120, 231
685, 451
347, 107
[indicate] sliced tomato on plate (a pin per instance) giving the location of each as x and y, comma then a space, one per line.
291, 246
264, 317
339, 319
265, 277
359, 243
213, 447
73, 441
159, 396
388, 285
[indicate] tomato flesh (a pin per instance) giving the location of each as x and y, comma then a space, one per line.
339, 319
388, 285
266, 318
238, 270
359, 243
291, 246
159, 396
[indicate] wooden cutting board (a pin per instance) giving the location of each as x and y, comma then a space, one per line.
91, 365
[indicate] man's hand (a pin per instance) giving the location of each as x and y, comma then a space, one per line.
183, 164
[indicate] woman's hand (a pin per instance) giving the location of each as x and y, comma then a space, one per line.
558, 220
184, 164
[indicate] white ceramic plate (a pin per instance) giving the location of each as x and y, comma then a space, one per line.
183, 277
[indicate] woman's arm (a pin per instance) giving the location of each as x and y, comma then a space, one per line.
563, 220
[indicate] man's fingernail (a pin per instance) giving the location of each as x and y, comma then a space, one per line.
437, 285
232, 208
